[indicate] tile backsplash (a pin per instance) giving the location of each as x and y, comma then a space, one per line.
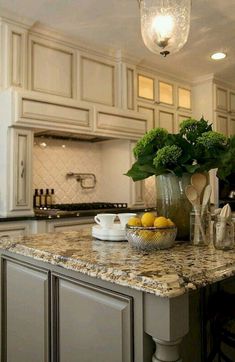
53, 162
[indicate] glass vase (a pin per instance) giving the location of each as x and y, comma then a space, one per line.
172, 202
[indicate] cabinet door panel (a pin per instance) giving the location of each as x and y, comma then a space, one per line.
166, 93
222, 124
232, 102
94, 325
21, 162
26, 319
221, 99
97, 81
150, 112
184, 98
232, 126
166, 120
145, 87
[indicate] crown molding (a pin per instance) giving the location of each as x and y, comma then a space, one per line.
11, 18
49, 33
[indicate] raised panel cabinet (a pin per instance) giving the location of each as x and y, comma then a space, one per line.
232, 126
118, 123
166, 120
20, 172
166, 93
12, 229
97, 81
25, 322
184, 98
232, 102
52, 68
221, 99
71, 225
149, 112
145, 87
94, 324
222, 123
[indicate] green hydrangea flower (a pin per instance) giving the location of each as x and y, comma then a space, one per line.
211, 140
167, 156
191, 129
155, 138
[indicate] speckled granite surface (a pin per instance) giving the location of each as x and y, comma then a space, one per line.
165, 273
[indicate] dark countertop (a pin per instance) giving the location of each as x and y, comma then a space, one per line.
80, 213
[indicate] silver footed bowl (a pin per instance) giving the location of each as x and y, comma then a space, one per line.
151, 238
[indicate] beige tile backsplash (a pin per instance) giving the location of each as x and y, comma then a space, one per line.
51, 164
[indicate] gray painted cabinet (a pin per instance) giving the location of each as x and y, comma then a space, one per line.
61, 319
25, 314
94, 324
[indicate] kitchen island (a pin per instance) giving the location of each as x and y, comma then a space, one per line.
68, 297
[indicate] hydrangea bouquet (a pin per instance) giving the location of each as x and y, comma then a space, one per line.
196, 148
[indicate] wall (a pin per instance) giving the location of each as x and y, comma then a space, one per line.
51, 164
107, 160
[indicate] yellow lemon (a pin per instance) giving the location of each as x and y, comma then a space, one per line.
147, 219
161, 222
134, 221
145, 234
170, 223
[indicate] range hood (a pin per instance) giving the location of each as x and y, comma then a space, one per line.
69, 136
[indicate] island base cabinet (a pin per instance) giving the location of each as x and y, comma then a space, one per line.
25, 317
93, 324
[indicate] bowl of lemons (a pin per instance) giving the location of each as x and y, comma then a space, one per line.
150, 232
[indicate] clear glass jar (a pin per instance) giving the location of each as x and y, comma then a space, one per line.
200, 227
223, 233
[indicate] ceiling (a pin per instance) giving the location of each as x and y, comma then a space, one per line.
115, 24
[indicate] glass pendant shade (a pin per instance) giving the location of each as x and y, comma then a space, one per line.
165, 24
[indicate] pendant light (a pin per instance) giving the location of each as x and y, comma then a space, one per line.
165, 24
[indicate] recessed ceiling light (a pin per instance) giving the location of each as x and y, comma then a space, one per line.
218, 56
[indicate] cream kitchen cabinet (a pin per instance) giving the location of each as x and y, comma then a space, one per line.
20, 171
221, 98
14, 228
72, 224
184, 99
232, 125
222, 123
165, 103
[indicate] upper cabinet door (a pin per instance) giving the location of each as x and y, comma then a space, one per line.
166, 119
145, 87
184, 98
97, 81
221, 99
232, 102
232, 126
166, 93
222, 123
52, 68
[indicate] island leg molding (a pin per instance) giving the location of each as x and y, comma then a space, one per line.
166, 320
166, 351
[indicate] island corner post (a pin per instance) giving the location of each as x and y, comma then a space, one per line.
166, 320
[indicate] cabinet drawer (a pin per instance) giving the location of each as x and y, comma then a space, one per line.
13, 230
72, 225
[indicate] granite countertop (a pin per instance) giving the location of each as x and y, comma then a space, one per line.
165, 273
